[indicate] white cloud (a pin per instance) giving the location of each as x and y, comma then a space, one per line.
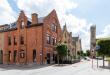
74, 24
105, 32
6, 12
43, 7
85, 36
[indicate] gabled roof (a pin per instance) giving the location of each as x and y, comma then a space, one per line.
14, 24
41, 19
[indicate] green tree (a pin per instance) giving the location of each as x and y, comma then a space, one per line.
80, 54
104, 48
62, 51
88, 53
84, 54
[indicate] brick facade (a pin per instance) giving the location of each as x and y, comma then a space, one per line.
29, 41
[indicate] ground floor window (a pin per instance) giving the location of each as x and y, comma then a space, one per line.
22, 54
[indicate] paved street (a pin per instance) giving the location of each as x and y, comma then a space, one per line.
83, 67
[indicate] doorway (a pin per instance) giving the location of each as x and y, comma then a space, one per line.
15, 56
9, 56
48, 58
56, 59
1, 57
34, 55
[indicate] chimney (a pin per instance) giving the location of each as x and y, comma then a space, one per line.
34, 18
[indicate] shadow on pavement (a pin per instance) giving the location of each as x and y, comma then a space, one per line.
61, 65
106, 67
22, 67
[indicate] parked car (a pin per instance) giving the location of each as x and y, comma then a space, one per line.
99, 58
87, 58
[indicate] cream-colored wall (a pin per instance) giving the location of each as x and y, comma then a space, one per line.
1, 41
78, 46
70, 45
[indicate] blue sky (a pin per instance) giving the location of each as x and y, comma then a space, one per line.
95, 11
79, 15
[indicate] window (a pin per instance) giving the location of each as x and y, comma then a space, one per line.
22, 24
69, 41
48, 38
65, 35
9, 40
22, 40
15, 42
22, 54
53, 40
65, 42
53, 27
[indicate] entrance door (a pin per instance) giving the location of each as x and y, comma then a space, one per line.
9, 56
1, 57
15, 56
34, 55
56, 59
48, 58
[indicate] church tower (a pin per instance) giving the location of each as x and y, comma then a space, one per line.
93, 39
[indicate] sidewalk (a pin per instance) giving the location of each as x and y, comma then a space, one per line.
23, 67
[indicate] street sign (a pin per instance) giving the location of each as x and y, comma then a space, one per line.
97, 47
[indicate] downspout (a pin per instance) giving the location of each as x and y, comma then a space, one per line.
42, 43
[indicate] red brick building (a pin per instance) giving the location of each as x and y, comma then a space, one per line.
29, 41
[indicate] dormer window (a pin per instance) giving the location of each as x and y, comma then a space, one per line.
22, 24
